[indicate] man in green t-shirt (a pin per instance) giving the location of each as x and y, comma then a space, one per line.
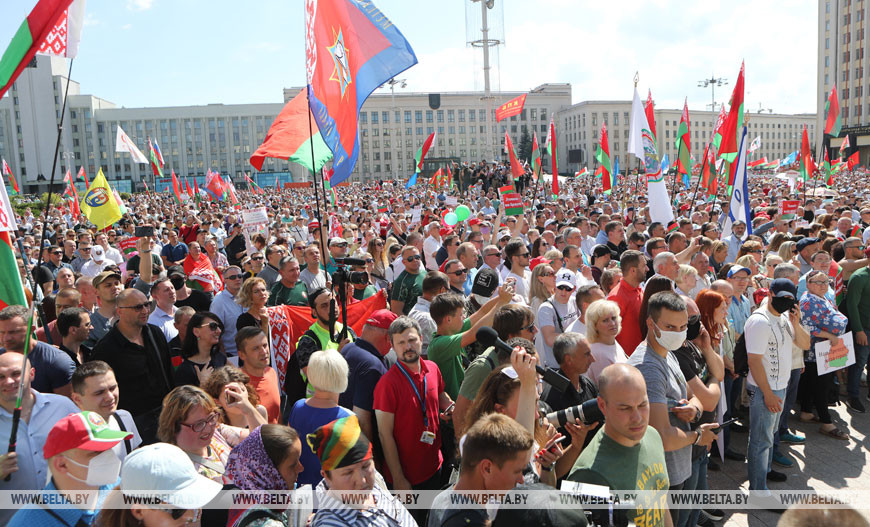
454, 333
408, 285
289, 291
629, 454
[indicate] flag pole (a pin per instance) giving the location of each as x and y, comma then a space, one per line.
323, 244
697, 184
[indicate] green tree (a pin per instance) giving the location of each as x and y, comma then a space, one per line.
525, 150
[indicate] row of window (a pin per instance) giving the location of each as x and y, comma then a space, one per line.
431, 116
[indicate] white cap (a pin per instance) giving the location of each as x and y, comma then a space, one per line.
566, 277
165, 469
97, 253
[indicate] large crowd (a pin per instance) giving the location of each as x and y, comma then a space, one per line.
633, 354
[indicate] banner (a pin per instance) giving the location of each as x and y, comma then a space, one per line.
513, 204
511, 108
254, 221
788, 208
832, 358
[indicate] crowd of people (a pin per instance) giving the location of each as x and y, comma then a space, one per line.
626, 343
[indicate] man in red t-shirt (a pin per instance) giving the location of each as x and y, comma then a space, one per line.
629, 296
253, 347
189, 230
411, 395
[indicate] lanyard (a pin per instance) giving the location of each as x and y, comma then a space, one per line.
420, 398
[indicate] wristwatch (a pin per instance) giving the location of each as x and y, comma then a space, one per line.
697, 439
547, 468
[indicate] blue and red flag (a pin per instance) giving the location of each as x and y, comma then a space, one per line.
351, 49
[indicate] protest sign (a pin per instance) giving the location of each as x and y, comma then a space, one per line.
513, 204
415, 215
788, 208
254, 221
832, 358
451, 201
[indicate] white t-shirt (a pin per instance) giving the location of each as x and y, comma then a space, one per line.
430, 247
604, 355
558, 316
522, 285
771, 337
578, 326
121, 448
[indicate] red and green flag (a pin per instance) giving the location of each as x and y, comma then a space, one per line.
730, 142
853, 160
156, 166
176, 188
8, 173
27, 41
552, 150
422, 151
196, 195
449, 177
807, 167
833, 122
844, 146
329, 190
383, 209
84, 177
708, 170
436, 178
684, 142
516, 168
292, 136
602, 155
536, 157
826, 166
11, 288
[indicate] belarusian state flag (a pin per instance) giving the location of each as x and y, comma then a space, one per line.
176, 188
826, 166
844, 146
329, 190
602, 155
449, 177
11, 288
552, 150
156, 167
8, 173
807, 167
422, 151
730, 141
684, 142
292, 135
196, 195
832, 113
516, 168
536, 157
435, 180
649, 110
30, 37
708, 170
84, 177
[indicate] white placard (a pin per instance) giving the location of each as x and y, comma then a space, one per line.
841, 356
258, 215
416, 213
451, 201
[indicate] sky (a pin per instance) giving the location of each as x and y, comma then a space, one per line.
138, 53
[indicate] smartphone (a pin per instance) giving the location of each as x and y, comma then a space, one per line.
723, 425
556, 442
144, 230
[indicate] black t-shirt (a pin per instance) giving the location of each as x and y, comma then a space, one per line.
42, 275
234, 247
692, 364
198, 300
186, 372
133, 262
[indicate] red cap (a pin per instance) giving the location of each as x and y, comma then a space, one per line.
382, 318
474, 221
314, 225
85, 430
446, 231
538, 260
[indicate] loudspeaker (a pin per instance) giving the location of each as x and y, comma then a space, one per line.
434, 101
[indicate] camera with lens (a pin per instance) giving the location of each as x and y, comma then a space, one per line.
343, 276
587, 412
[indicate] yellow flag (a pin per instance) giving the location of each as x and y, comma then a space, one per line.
99, 204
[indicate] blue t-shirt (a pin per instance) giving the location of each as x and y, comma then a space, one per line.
366, 366
174, 254
54, 368
305, 420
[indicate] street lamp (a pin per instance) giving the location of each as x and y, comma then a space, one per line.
398, 130
712, 82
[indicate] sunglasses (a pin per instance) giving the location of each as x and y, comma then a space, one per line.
137, 307
175, 513
257, 258
412, 258
531, 327
545, 275
459, 272
233, 277
298, 247
56, 252
200, 425
379, 244
524, 255
564, 288
214, 326
370, 260
342, 244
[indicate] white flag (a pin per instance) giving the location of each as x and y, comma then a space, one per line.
755, 144
124, 144
638, 124
7, 215
63, 39
739, 207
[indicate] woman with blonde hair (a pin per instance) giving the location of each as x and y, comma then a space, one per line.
717, 255
378, 252
603, 324
788, 251
542, 286
749, 262
687, 279
253, 296
555, 257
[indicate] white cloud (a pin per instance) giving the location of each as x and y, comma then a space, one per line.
139, 5
91, 20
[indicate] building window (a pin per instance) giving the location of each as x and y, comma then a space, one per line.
451, 116
440, 116
374, 117
385, 117
363, 118
418, 116
430, 116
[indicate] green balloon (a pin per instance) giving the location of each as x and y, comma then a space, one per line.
463, 212
451, 219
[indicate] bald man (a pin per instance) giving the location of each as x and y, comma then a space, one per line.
623, 400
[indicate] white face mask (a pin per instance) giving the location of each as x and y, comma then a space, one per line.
670, 340
103, 469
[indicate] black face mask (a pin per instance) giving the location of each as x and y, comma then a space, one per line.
782, 304
177, 282
694, 328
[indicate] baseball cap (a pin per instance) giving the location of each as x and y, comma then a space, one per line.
537, 261
85, 430
313, 225
175, 270
566, 277
446, 231
485, 283
736, 269
473, 221
783, 287
504, 234
381, 319
335, 240
805, 242
98, 254
105, 275
600, 250
165, 469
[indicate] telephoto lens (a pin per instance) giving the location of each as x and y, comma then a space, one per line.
587, 412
